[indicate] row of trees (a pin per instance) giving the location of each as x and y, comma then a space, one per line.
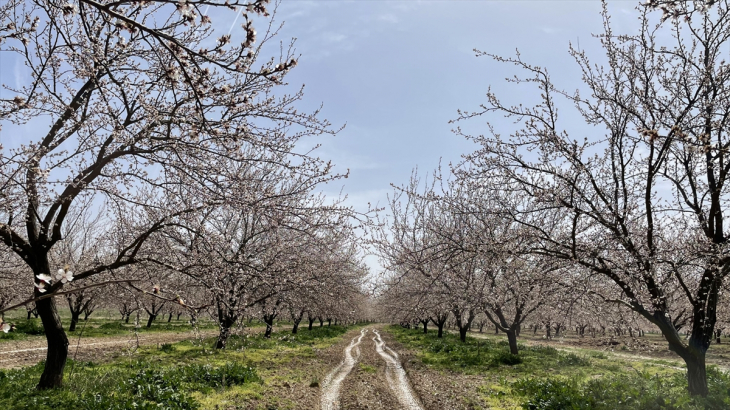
161, 160
627, 209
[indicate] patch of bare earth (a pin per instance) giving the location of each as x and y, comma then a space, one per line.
367, 386
14, 354
294, 381
436, 390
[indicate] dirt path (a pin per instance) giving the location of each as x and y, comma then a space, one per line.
373, 379
29, 352
331, 384
396, 375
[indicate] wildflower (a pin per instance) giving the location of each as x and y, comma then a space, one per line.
156, 289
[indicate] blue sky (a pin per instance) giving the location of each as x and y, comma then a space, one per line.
396, 72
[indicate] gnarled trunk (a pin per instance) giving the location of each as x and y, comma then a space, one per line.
224, 332
269, 320
57, 345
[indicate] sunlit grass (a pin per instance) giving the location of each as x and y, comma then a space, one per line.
551, 379
184, 375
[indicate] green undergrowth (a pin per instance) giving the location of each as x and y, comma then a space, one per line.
186, 375
630, 391
544, 378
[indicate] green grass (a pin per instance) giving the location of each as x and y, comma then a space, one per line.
544, 378
186, 375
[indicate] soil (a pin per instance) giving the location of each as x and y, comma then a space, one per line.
14, 354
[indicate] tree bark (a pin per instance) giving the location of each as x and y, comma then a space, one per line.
697, 376
311, 321
512, 339
462, 333
57, 353
74, 321
150, 320
269, 320
224, 333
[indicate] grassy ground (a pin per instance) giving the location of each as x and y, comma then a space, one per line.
543, 377
106, 323
250, 373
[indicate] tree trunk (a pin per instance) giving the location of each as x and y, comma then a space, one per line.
29, 313
126, 318
462, 333
74, 320
441, 330
150, 320
57, 345
329, 322
512, 338
321, 322
225, 331
295, 328
311, 321
269, 326
496, 329
697, 376
425, 326
169, 317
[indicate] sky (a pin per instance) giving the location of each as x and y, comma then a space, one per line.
395, 72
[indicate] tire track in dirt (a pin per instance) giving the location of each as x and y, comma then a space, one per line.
396, 375
331, 384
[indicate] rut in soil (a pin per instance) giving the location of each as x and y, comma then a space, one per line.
333, 381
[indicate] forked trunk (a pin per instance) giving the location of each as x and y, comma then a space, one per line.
57, 345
